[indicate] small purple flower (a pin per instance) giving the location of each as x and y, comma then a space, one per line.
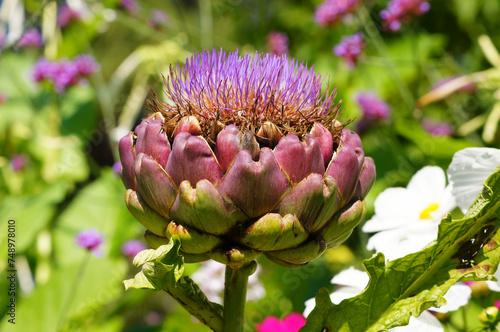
64, 73
157, 18
117, 168
277, 42
350, 48
131, 5
132, 248
90, 239
18, 162
375, 111
67, 15
331, 11
400, 11
437, 128
86, 65
31, 38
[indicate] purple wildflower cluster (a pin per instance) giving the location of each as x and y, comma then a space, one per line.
67, 15
350, 48
157, 18
131, 6
132, 248
277, 42
400, 11
65, 73
331, 11
31, 38
437, 128
375, 111
91, 240
18, 162
228, 85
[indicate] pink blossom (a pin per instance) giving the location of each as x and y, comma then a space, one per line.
400, 11
31, 38
375, 110
18, 162
350, 48
91, 240
132, 248
331, 11
67, 15
437, 128
130, 5
277, 42
291, 323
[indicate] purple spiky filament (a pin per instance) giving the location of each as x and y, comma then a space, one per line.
247, 91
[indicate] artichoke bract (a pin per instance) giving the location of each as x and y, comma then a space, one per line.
245, 157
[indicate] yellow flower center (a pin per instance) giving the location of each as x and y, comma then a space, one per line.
426, 213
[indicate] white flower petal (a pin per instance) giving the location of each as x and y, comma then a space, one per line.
426, 322
458, 295
351, 277
344, 293
468, 170
428, 184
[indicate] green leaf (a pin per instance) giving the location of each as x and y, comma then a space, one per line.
161, 268
466, 249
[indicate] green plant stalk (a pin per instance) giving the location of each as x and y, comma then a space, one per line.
206, 314
235, 290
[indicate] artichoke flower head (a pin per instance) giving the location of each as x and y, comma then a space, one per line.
244, 158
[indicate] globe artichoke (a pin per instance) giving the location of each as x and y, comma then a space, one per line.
246, 157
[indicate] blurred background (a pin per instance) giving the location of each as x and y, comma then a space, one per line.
74, 77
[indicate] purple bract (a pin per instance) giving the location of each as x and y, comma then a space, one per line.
400, 11
350, 48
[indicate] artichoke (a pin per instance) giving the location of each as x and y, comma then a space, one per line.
245, 157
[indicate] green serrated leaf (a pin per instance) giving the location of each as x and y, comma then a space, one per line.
161, 268
466, 249
139, 281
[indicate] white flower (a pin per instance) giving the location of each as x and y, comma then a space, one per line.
210, 278
468, 170
352, 282
407, 219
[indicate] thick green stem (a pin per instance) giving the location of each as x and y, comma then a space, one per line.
235, 292
188, 295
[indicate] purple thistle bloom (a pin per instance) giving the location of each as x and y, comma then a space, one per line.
66, 15
437, 128
132, 248
18, 162
31, 38
400, 11
130, 5
277, 42
331, 11
64, 74
86, 65
90, 239
254, 86
350, 48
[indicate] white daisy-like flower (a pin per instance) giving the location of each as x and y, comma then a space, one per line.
468, 170
210, 278
352, 282
407, 219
